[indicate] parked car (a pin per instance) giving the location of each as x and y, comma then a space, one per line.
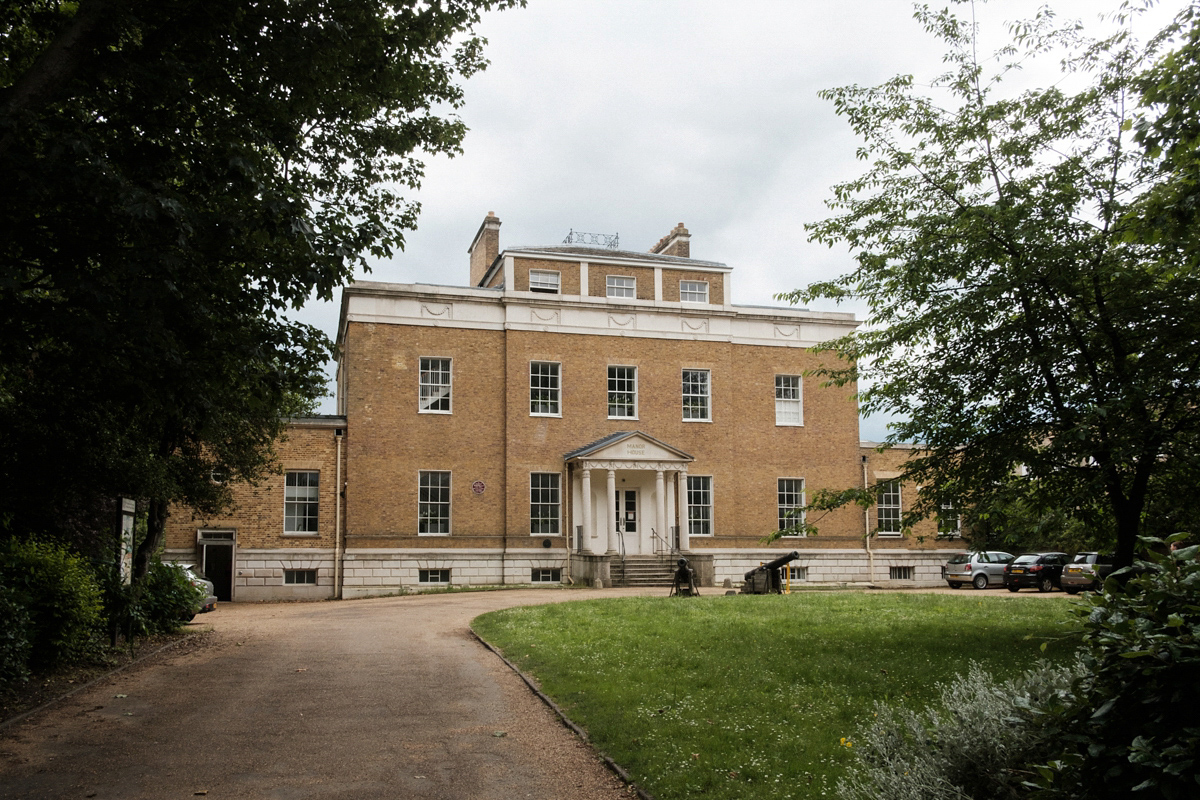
197, 579
1040, 570
980, 569
1086, 571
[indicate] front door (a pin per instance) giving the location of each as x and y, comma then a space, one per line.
627, 520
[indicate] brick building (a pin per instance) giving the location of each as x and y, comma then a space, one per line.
576, 413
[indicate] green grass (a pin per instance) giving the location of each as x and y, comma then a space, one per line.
733, 697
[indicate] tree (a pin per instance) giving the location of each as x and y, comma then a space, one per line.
177, 175
1033, 318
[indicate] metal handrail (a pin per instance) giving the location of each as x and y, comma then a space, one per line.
671, 548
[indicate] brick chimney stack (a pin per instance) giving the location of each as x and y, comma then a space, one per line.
485, 247
675, 243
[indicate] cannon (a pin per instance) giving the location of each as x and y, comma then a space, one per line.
766, 579
684, 582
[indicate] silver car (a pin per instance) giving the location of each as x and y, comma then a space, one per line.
197, 579
981, 570
1086, 571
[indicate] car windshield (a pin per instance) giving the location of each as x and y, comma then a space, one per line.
960, 558
1028, 558
1085, 558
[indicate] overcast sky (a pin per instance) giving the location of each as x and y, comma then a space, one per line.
629, 116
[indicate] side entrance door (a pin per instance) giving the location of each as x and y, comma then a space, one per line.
216, 561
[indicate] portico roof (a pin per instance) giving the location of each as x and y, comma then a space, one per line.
608, 447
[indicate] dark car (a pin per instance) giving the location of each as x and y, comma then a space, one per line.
1042, 571
978, 569
1086, 571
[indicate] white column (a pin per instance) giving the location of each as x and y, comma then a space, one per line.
684, 542
611, 511
583, 279
660, 495
586, 545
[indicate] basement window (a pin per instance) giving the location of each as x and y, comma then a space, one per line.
545, 575
300, 577
900, 573
433, 576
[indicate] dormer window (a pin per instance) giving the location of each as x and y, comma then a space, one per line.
542, 280
621, 286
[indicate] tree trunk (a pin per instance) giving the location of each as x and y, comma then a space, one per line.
156, 525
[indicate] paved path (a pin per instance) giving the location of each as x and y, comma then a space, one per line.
362, 699
383, 698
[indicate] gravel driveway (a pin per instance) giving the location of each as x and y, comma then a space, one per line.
383, 698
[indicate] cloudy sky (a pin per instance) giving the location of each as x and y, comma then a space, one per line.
628, 116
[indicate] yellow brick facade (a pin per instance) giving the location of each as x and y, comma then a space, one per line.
494, 447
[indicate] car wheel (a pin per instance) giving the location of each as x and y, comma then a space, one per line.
1071, 589
980, 581
954, 585
1045, 585
1013, 588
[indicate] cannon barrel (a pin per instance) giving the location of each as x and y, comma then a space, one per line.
776, 564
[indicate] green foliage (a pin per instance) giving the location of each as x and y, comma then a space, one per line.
973, 742
60, 595
1032, 312
1009, 519
14, 640
177, 176
752, 696
166, 598
1132, 730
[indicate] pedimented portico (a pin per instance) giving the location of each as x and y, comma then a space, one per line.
629, 495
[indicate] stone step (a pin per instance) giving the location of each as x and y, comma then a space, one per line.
642, 571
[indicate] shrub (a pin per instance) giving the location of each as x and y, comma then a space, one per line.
974, 744
1132, 730
58, 591
166, 598
14, 640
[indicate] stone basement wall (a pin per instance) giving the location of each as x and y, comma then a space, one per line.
840, 566
369, 573
258, 574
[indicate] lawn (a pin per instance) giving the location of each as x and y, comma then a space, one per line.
732, 697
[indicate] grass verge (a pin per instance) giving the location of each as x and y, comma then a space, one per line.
732, 697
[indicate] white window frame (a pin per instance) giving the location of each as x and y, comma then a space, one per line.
429, 392
545, 503
423, 502
946, 513
616, 286
701, 401
693, 291
293, 574
889, 513
545, 388
700, 505
789, 400
301, 497
793, 574
611, 392
545, 575
545, 281
788, 499
424, 575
